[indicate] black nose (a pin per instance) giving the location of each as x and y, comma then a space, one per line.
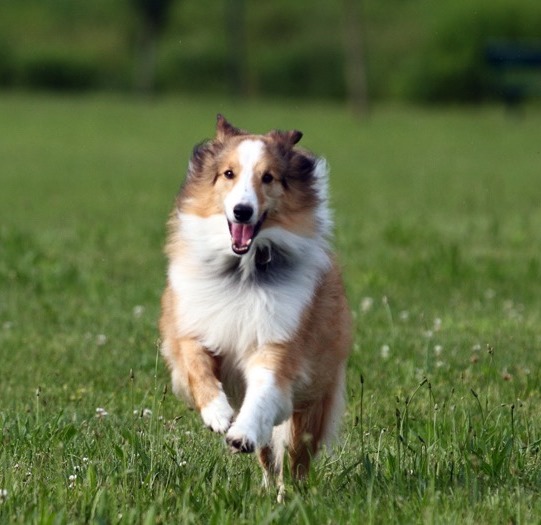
243, 212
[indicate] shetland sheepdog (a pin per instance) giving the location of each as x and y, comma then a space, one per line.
255, 326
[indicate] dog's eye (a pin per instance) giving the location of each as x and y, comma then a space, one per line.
267, 178
228, 174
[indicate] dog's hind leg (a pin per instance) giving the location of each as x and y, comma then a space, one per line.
271, 459
313, 426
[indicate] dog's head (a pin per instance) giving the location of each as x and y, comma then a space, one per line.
256, 181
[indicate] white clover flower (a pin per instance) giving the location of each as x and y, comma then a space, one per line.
437, 324
438, 349
366, 304
101, 412
385, 351
85, 460
101, 339
138, 310
72, 480
3, 495
147, 412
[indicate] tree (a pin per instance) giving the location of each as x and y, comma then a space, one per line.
355, 66
153, 16
235, 28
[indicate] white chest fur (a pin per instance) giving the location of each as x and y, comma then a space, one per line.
226, 309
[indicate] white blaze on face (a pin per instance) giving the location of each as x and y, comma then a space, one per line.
249, 153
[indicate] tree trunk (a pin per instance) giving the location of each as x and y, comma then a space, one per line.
235, 27
355, 65
145, 74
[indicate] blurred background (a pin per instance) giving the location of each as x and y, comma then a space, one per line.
360, 51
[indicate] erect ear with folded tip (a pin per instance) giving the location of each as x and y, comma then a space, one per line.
224, 129
286, 138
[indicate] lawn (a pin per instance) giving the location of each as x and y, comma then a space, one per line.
438, 228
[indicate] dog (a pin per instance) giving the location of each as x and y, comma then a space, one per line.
255, 326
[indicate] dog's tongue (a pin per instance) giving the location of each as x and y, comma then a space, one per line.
241, 234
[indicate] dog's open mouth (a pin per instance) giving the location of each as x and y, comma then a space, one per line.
242, 235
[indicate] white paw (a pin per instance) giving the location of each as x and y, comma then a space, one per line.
217, 415
244, 438
240, 440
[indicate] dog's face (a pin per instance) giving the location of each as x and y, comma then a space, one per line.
256, 181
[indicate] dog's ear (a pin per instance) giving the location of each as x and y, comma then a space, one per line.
301, 166
286, 139
224, 129
200, 154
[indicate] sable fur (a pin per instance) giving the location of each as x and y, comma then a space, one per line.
258, 342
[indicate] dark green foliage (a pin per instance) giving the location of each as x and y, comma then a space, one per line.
60, 71
418, 50
452, 66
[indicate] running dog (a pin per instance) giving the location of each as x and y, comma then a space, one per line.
255, 326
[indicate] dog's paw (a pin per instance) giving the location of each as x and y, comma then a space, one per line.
240, 443
245, 437
218, 414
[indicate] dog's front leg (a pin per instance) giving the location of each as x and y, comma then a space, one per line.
267, 402
205, 388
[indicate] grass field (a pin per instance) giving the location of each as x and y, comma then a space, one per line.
438, 223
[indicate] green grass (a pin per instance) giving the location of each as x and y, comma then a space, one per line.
438, 229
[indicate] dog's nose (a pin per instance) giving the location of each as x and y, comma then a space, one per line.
243, 212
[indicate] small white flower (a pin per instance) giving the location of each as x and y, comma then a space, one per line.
366, 304
385, 351
3, 495
429, 334
404, 315
101, 412
138, 310
182, 464
437, 324
85, 460
147, 412
72, 481
101, 339
476, 347
438, 349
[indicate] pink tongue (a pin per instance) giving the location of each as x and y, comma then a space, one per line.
241, 233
